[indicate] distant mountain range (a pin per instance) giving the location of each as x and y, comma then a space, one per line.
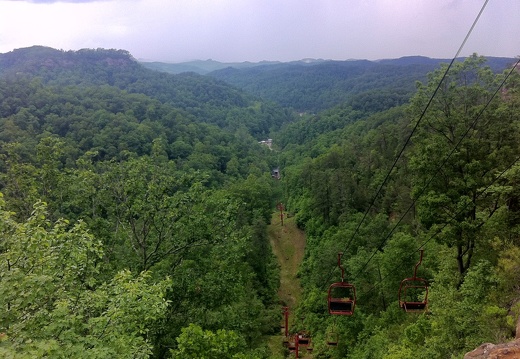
201, 67
308, 85
313, 85
204, 67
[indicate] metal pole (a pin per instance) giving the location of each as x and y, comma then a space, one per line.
418, 264
296, 343
340, 254
286, 317
280, 207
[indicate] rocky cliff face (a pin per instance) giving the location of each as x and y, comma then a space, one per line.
510, 350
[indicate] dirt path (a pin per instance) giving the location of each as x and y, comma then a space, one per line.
288, 244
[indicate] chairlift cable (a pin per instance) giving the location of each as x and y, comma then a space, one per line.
421, 192
410, 135
439, 230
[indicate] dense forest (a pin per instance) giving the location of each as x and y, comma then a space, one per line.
317, 85
133, 211
134, 206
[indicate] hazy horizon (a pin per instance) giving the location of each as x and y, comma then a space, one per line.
264, 30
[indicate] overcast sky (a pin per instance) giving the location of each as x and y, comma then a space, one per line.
255, 30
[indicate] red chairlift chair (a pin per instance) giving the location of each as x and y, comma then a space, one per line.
342, 295
332, 339
332, 336
418, 287
304, 338
292, 343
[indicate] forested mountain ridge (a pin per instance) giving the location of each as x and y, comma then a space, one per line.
313, 86
31, 59
204, 67
201, 67
209, 100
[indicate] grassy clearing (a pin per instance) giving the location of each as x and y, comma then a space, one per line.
288, 244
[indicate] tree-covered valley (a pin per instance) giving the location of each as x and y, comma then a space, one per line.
134, 207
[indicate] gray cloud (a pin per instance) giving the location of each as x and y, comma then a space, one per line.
58, 1
255, 30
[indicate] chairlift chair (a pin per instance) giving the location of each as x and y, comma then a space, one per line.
417, 287
291, 343
332, 336
304, 338
332, 339
341, 295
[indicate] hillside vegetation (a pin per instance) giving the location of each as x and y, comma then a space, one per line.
134, 209
314, 86
381, 187
132, 222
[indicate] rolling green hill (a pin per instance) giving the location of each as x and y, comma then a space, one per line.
319, 85
208, 100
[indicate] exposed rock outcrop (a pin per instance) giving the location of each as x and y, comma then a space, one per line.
510, 350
